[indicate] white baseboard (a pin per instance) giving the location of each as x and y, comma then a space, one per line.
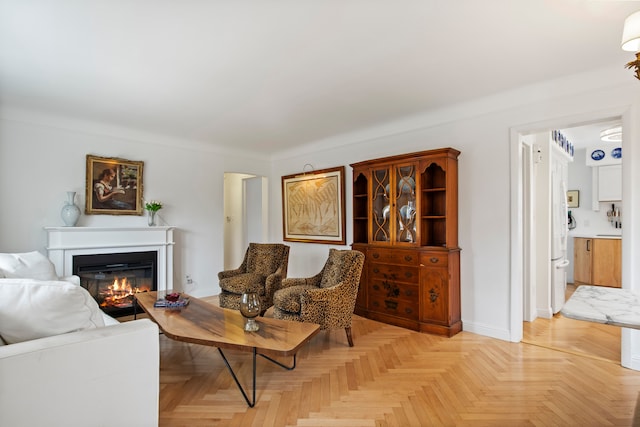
487, 331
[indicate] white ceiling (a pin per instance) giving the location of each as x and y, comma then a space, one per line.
589, 135
266, 75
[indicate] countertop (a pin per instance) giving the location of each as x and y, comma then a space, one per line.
597, 236
611, 306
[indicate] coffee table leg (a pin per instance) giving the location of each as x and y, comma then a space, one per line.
244, 394
288, 368
233, 374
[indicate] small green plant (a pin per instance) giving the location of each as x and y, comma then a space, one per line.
153, 205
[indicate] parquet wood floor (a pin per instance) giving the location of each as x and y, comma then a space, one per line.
575, 336
396, 377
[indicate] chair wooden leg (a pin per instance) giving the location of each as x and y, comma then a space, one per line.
349, 338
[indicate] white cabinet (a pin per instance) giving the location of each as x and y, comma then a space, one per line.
610, 183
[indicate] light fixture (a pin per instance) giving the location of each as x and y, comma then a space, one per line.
612, 134
631, 40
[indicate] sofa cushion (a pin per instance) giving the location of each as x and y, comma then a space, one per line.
245, 282
29, 265
31, 309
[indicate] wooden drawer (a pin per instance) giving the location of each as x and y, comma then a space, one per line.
394, 307
392, 256
393, 272
434, 259
391, 290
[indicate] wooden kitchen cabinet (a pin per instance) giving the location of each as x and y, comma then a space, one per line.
405, 221
597, 262
582, 250
606, 262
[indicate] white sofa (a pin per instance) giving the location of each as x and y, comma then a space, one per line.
64, 362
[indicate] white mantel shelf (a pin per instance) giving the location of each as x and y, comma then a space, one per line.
63, 243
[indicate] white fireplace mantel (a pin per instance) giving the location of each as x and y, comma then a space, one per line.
63, 243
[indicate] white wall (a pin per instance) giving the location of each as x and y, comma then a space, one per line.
40, 162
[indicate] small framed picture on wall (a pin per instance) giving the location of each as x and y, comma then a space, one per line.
573, 198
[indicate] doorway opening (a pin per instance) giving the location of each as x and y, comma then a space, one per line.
245, 215
540, 326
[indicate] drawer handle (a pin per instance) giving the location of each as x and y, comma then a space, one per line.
408, 311
375, 304
408, 292
375, 255
408, 274
390, 304
376, 287
376, 270
408, 257
433, 259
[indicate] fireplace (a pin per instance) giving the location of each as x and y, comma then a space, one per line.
67, 243
113, 279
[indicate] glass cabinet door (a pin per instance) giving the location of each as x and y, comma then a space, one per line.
405, 204
381, 209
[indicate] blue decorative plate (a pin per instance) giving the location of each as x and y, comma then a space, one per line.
616, 153
597, 155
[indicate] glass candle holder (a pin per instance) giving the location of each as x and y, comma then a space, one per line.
250, 309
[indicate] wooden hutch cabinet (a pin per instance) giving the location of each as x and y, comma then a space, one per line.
405, 221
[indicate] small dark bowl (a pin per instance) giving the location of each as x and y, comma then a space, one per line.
175, 296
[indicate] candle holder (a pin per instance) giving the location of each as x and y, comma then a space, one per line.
250, 309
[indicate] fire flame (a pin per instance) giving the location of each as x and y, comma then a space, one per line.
120, 291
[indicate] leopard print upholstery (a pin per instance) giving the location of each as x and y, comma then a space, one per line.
288, 299
327, 298
262, 270
244, 282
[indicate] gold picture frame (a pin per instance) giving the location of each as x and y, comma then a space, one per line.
313, 206
573, 199
114, 186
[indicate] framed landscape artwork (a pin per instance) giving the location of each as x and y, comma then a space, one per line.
313, 207
114, 186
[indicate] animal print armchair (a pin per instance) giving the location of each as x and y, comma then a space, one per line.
262, 270
328, 298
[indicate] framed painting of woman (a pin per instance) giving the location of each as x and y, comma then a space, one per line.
114, 186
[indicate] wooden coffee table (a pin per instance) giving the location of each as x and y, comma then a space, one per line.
207, 324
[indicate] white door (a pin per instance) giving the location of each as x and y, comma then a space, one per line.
559, 210
558, 284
